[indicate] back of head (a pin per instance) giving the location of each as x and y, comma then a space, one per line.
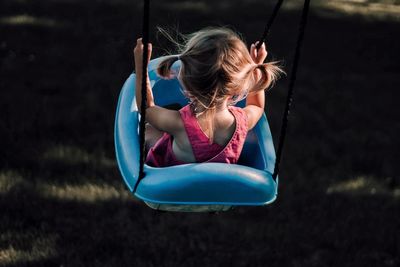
213, 64
216, 65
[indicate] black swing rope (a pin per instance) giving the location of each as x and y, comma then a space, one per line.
289, 99
269, 23
143, 104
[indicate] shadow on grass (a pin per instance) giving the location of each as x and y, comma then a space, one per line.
118, 232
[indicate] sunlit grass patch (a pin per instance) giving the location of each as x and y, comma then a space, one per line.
76, 155
23, 20
87, 192
8, 180
41, 248
363, 185
368, 9
66, 153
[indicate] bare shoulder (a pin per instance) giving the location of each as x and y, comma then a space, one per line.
165, 119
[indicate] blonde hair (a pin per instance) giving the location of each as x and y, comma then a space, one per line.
216, 64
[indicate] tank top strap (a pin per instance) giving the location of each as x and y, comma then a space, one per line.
241, 118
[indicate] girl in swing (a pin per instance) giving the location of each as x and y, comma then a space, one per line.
216, 72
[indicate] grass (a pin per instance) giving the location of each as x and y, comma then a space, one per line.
62, 199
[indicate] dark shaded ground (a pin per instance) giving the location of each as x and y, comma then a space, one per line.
62, 201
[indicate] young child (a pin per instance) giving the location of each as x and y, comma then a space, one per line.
216, 71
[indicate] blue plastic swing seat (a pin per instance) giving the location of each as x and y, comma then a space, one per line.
194, 187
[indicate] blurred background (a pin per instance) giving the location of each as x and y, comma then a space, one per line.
63, 201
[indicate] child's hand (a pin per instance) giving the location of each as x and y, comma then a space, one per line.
138, 53
260, 55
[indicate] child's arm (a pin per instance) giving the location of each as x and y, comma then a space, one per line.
255, 102
161, 118
254, 108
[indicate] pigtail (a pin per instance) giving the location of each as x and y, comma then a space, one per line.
164, 68
270, 73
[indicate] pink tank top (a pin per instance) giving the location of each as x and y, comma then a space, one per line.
162, 155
